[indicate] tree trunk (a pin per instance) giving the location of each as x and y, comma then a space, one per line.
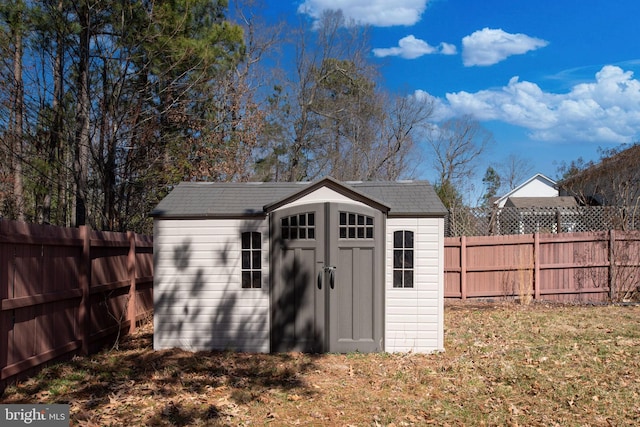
55, 178
18, 108
81, 161
107, 156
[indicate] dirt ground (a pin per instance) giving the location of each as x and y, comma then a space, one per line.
504, 364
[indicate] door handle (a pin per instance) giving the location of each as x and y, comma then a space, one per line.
331, 270
320, 274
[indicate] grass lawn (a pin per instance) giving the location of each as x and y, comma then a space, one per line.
505, 364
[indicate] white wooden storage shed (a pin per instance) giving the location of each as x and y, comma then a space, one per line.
326, 266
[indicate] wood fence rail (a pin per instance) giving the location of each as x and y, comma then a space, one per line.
67, 291
586, 267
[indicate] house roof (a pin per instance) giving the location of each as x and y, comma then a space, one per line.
623, 161
539, 177
215, 199
541, 202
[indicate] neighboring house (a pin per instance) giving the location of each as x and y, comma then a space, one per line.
614, 181
534, 207
327, 266
537, 186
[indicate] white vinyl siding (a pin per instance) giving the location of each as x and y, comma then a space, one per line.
324, 194
199, 302
414, 316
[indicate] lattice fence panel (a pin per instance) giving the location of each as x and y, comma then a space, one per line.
511, 220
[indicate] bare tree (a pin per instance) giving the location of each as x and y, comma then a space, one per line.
405, 118
613, 181
332, 116
332, 87
456, 146
512, 171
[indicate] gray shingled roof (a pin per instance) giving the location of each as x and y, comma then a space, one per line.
541, 202
213, 199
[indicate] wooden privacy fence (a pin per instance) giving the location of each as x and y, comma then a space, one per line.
66, 291
586, 267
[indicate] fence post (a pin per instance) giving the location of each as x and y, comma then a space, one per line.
84, 331
131, 269
463, 267
536, 266
612, 264
5, 319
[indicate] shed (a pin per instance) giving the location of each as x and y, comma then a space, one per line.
323, 266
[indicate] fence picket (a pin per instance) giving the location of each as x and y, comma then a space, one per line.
556, 267
51, 295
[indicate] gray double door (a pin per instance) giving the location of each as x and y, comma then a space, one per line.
327, 284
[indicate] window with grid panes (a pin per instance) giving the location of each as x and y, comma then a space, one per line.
251, 259
403, 259
299, 227
355, 226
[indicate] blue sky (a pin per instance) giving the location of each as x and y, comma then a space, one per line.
553, 80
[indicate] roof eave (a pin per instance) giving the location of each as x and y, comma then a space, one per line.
392, 214
239, 215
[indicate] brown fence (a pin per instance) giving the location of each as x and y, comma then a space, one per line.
587, 267
66, 291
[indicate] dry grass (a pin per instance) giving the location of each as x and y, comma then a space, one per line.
503, 365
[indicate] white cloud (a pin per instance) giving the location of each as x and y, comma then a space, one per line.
441, 110
489, 46
410, 47
448, 49
379, 13
605, 110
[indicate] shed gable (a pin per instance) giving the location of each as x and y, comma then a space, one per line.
330, 188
